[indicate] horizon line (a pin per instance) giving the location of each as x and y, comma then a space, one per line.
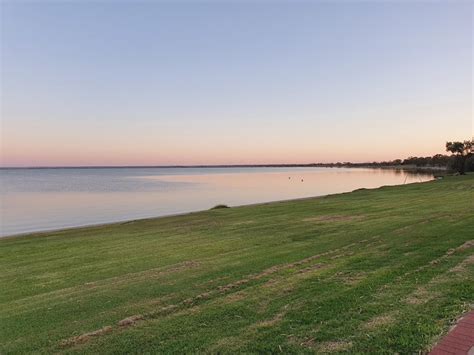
194, 166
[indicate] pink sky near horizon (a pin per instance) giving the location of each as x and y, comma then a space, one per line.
392, 139
122, 156
367, 135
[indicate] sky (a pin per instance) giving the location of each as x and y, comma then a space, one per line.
242, 82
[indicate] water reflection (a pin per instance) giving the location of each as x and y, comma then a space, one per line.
43, 199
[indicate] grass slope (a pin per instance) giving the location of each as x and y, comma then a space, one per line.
385, 270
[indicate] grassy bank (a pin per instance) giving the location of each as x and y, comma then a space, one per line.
385, 270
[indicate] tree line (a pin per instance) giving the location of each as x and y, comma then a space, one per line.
460, 160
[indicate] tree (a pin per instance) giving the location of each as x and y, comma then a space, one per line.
462, 151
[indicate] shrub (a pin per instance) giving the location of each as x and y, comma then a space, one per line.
469, 165
217, 207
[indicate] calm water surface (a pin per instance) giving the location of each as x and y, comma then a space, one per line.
42, 199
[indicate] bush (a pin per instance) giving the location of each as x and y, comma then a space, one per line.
455, 164
217, 207
469, 165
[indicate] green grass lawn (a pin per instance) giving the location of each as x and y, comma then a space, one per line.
384, 270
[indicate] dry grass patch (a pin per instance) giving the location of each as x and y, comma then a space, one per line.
80, 339
334, 346
227, 343
130, 321
233, 285
379, 321
306, 343
351, 278
420, 296
272, 321
461, 267
270, 283
467, 245
311, 268
235, 297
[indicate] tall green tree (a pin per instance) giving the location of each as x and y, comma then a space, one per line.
462, 151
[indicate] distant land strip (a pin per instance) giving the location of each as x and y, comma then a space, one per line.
310, 165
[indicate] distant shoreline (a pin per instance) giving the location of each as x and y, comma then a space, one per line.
313, 165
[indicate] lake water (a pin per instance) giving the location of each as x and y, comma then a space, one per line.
43, 199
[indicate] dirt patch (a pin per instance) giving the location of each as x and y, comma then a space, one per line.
130, 321
331, 218
467, 245
85, 337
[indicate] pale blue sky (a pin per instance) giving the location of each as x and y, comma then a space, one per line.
102, 83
